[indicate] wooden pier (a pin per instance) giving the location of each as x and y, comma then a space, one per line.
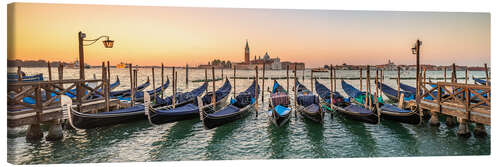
35, 103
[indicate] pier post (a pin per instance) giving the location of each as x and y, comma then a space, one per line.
34, 133
55, 131
445, 74
19, 74
466, 74
234, 82
451, 121
463, 128
162, 81
434, 121
222, 73
60, 72
487, 78
454, 74
50, 70
479, 130
295, 90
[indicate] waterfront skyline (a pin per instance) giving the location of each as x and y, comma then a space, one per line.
179, 35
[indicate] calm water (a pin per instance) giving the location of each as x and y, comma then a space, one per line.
249, 138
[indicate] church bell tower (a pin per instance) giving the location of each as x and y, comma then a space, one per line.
247, 53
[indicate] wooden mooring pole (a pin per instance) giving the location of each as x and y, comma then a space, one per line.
360, 78
206, 79
108, 78
50, 70
334, 78
234, 82
295, 90
256, 90
60, 73
154, 87
418, 80
162, 81
187, 76
174, 90
131, 84
213, 87
287, 78
263, 79
312, 85
466, 74
444, 74
331, 87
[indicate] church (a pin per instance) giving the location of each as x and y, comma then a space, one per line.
267, 62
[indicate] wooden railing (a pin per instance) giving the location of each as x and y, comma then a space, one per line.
18, 91
469, 97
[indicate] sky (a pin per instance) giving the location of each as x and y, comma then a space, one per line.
177, 36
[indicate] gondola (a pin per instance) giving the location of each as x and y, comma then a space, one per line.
13, 77
349, 110
480, 81
111, 87
126, 92
80, 120
279, 105
308, 104
387, 111
139, 96
191, 110
239, 107
392, 94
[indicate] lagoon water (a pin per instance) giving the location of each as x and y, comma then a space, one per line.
253, 137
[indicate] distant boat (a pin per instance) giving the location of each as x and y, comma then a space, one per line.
319, 70
122, 65
76, 64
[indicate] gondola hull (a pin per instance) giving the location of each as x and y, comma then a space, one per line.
313, 112
212, 122
357, 116
279, 120
89, 121
410, 118
169, 117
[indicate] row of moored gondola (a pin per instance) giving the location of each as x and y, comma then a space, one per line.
216, 112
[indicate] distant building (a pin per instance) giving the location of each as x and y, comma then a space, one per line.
267, 62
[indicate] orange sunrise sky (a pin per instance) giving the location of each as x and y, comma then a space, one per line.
181, 35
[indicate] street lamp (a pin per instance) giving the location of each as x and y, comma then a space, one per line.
81, 38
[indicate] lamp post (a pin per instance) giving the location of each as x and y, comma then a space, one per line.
81, 38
